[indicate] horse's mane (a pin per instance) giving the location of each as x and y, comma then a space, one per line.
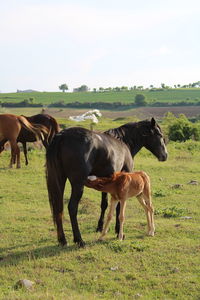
120, 132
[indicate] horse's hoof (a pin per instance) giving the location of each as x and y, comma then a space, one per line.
99, 228
62, 242
117, 231
81, 244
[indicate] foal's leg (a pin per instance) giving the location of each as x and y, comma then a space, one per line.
150, 212
122, 218
76, 194
147, 212
113, 205
104, 205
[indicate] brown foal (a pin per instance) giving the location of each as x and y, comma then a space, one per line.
122, 186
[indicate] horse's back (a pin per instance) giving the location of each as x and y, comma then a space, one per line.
46, 120
77, 148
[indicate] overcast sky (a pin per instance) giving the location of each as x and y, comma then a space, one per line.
98, 43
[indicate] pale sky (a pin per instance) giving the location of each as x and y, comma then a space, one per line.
98, 43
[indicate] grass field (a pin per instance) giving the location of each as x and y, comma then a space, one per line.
140, 267
171, 95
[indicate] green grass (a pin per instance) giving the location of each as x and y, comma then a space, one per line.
171, 95
140, 267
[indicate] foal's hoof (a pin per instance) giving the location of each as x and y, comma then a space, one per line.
151, 233
121, 238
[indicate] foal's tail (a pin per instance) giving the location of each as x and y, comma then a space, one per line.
147, 189
55, 178
37, 130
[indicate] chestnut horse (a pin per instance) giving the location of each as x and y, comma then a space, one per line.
75, 153
10, 126
46, 120
122, 186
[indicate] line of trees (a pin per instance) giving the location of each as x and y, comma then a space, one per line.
84, 88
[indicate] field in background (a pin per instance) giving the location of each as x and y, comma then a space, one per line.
170, 95
140, 267
62, 114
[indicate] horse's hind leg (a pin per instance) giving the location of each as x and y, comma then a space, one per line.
56, 186
60, 232
104, 205
2, 143
76, 194
15, 153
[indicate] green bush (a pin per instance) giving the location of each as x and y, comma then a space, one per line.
140, 100
181, 129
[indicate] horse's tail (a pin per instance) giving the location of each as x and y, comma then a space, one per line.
54, 128
37, 130
55, 178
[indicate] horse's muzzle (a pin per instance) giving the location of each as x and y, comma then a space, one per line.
163, 157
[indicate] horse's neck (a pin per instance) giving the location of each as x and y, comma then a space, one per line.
135, 149
133, 140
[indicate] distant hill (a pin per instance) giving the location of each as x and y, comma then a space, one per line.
27, 91
159, 97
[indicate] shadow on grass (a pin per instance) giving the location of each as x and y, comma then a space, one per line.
31, 253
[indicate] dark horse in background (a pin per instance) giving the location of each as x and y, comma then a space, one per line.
75, 153
10, 127
46, 120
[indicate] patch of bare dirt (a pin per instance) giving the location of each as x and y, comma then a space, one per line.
140, 113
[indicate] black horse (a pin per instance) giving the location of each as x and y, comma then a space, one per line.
75, 153
45, 120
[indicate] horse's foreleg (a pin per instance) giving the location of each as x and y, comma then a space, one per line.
109, 217
76, 194
25, 152
122, 218
104, 205
117, 224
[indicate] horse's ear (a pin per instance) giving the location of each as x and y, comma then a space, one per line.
153, 122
